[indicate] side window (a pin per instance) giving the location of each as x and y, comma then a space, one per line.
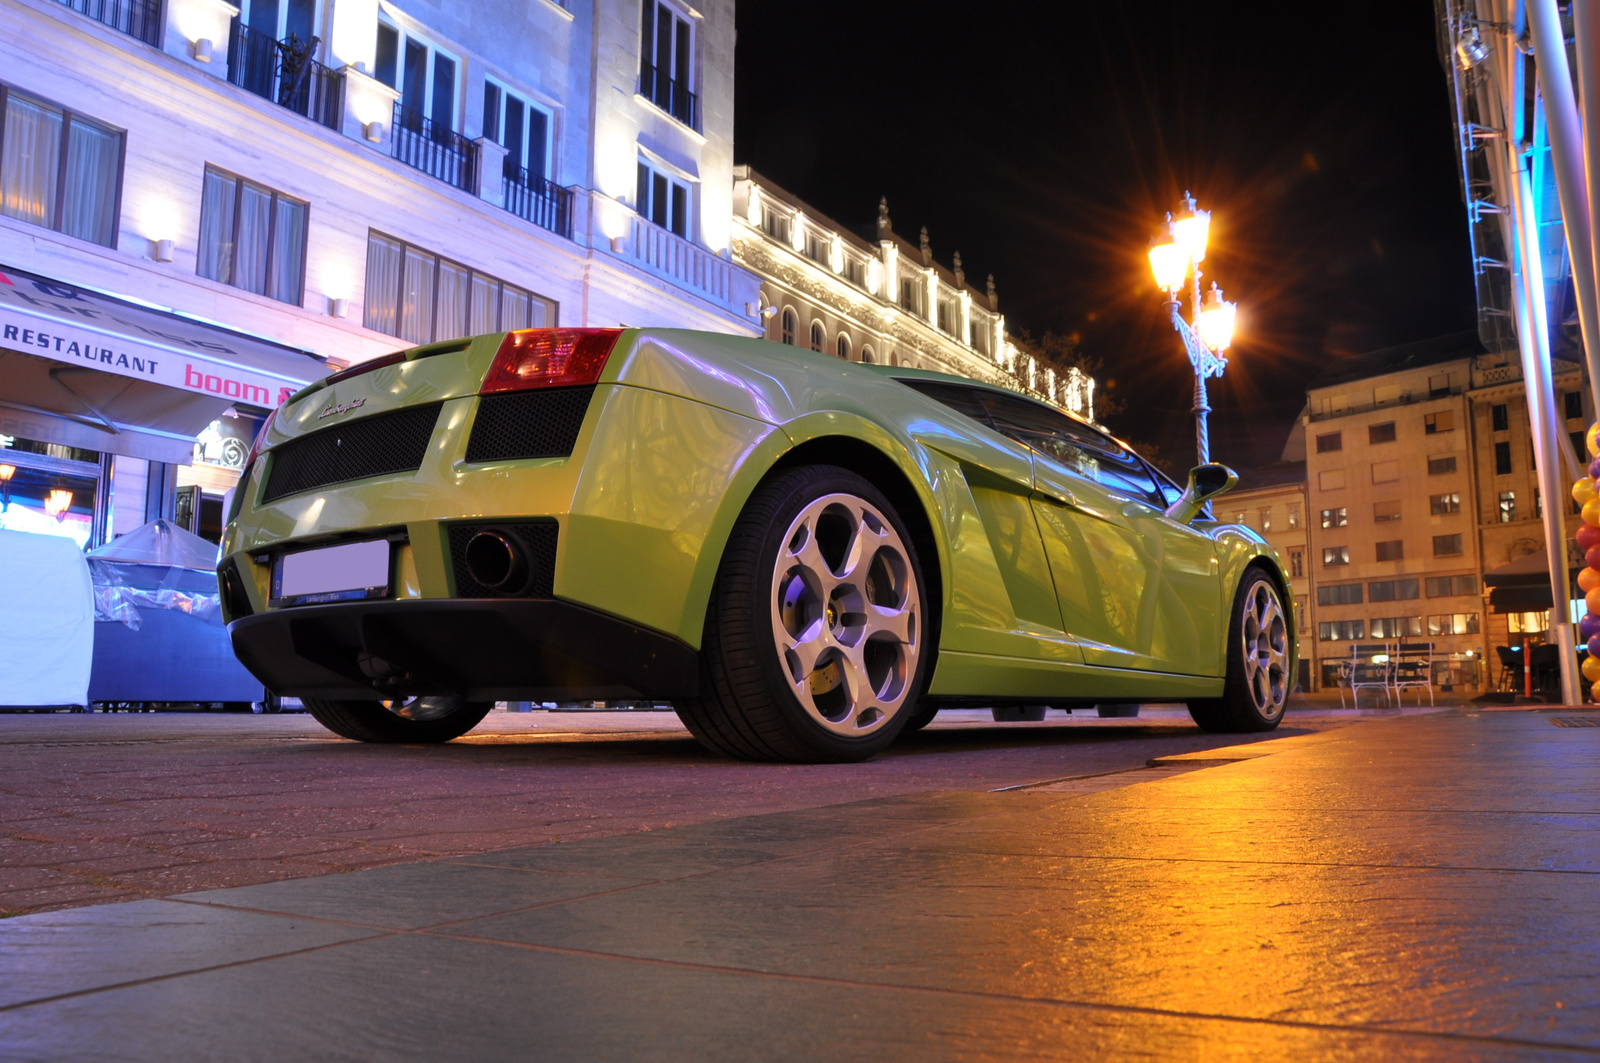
963, 400
1078, 447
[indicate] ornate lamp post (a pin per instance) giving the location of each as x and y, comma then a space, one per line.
1175, 259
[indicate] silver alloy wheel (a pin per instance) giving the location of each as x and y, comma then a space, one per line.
423, 709
846, 614
1266, 650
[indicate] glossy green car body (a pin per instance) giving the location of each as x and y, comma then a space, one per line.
1049, 586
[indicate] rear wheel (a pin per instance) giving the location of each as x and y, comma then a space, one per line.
814, 644
1257, 686
422, 720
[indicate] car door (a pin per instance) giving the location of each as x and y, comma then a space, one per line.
1136, 590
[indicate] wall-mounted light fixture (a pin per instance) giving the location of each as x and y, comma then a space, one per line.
161, 250
373, 131
201, 50
338, 307
619, 244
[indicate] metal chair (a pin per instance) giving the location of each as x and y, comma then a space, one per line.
1510, 681
1366, 673
1412, 669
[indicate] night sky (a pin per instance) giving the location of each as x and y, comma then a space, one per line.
1046, 143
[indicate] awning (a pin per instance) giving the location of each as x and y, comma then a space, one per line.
88, 370
1523, 585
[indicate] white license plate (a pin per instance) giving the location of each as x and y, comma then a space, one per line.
332, 574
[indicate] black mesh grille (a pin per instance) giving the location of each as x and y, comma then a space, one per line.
373, 446
535, 538
528, 424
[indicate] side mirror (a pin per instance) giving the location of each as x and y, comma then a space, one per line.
1205, 483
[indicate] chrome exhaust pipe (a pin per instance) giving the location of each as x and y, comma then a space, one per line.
496, 560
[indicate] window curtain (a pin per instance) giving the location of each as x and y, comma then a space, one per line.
384, 264
416, 297
485, 306
288, 251
450, 317
516, 309
28, 168
89, 195
215, 258
255, 230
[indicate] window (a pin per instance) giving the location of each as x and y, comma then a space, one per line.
1447, 545
1297, 562
1265, 516
1453, 624
1502, 459
1334, 518
1572, 401
666, 61
1443, 421
663, 199
252, 237
866, 355
1074, 445
280, 21
1330, 479
843, 346
421, 298
1393, 590
1440, 466
1531, 623
912, 290
948, 316
818, 336
1438, 385
1331, 441
518, 126
59, 170
1238, 518
1383, 512
1294, 514
1499, 417
1578, 445
1335, 555
1396, 627
425, 76
1391, 550
818, 246
1445, 504
1385, 472
1341, 630
1381, 433
1508, 507
1451, 586
1339, 594
788, 326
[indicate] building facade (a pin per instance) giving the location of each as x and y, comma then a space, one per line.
1273, 502
203, 207
883, 300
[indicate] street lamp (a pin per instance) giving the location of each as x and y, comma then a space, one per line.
1175, 258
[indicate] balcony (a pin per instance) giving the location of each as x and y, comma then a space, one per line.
435, 149
535, 199
140, 19
678, 260
284, 72
671, 96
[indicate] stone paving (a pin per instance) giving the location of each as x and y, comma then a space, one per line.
1416, 887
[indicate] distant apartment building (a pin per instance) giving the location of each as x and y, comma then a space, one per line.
1418, 480
204, 205
1273, 501
880, 299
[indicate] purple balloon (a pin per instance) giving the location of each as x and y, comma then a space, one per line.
1594, 646
1589, 626
1594, 467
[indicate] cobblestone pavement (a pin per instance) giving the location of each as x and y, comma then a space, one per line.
1421, 887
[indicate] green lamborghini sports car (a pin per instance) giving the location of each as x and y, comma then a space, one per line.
804, 556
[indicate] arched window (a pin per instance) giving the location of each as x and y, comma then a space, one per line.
817, 336
844, 346
788, 326
866, 355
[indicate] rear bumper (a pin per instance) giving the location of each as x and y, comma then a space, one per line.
484, 650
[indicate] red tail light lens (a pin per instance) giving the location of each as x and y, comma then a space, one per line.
550, 358
260, 441
368, 366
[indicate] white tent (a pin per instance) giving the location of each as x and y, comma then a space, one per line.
46, 621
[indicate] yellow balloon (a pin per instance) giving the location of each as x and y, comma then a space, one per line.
1592, 439
1594, 692
1591, 669
1588, 580
1591, 512
1583, 490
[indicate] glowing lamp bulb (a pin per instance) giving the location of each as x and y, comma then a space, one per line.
7, 472
1216, 321
1190, 231
57, 502
1168, 264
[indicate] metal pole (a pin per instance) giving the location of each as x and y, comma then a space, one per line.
1201, 408
1586, 30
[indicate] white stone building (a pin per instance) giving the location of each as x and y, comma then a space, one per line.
201, 204
881, 300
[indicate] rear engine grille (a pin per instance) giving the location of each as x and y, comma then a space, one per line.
528, 424
535, 538
373, 446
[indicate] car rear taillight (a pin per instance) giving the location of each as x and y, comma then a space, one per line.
260, 441
550, 358
367, 366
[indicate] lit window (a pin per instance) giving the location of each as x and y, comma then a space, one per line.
252, 237
1294, 514
1266, 519
1335, 555
1508, 506
1442, 505
422, 298
1334, 518
663, 199
666, 61
59, 170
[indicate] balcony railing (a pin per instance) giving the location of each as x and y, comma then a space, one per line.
436, 150
671, 96
284, 72
136, 18
538, 200
673, 257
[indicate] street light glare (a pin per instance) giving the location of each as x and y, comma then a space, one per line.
1190, 231
1216, 321
1169, 264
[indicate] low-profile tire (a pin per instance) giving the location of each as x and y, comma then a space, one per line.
1259, 676
922, 719
419, 720
815, 646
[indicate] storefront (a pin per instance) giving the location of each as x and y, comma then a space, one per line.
113, 413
